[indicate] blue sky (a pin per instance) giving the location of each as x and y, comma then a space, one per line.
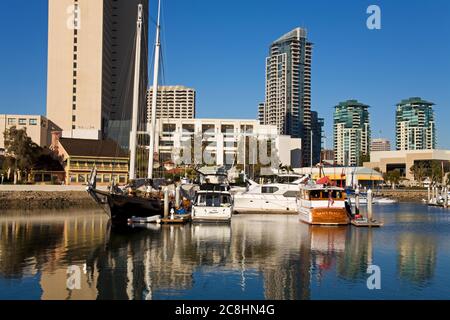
219, 48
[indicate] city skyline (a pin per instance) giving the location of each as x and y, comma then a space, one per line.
375, 66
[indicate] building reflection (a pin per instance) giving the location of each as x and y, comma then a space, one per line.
161, 261
417, 255
352, 264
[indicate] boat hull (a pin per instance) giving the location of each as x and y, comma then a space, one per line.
209, 214
324, 216
121, 208
259, 203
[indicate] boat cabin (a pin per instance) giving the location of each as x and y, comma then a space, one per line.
322, 194
213, 199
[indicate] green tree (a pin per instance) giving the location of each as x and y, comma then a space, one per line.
393, 177
363, 157
436, 171
419, 171
21, 153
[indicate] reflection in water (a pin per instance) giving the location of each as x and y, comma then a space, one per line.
417, 257
275, 256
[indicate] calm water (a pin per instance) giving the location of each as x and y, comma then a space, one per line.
256, 257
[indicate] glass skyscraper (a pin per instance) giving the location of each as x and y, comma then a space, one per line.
351, 132
317, 135
415, 126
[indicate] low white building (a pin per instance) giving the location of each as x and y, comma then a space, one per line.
221, 142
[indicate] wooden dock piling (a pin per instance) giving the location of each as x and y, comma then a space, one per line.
166, 203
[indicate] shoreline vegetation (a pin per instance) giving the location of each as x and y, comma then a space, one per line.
60, 197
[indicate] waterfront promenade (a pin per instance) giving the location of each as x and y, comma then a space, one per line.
43, 188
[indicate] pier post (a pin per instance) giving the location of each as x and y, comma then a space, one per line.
177, 196
369, 205
166, 202
446, 197
357, 201
429, 194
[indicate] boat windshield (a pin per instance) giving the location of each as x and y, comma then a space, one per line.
213, 200
325, 195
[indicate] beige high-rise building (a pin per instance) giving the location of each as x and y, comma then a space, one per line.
90, 64
173, 102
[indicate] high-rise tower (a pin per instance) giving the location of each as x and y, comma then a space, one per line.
90, 60
415, 126
351, 132
288, 88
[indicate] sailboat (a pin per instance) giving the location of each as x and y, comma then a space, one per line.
125, 203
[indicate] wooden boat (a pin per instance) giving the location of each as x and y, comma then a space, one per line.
320, 204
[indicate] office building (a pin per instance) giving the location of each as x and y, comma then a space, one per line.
38, 128
288, 88
380, 144
175, 102
317, 125
403, 160
351, 132
415, 126
91, 66
222, 140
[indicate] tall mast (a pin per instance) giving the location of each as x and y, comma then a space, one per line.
152, 125
134, 119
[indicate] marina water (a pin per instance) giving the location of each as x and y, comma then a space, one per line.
78, 255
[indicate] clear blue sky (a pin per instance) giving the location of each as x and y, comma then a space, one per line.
219, 48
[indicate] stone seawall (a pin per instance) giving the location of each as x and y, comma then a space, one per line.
404, 195
29, 200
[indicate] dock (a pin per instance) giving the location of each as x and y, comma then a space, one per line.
177, 219
367, 224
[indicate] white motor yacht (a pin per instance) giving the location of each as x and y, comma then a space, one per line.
212, 204
278, 197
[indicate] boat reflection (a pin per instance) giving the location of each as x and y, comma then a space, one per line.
274, 255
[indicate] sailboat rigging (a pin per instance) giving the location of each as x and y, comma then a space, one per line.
124, 203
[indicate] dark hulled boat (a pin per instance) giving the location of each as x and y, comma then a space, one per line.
127, 202
122, 205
